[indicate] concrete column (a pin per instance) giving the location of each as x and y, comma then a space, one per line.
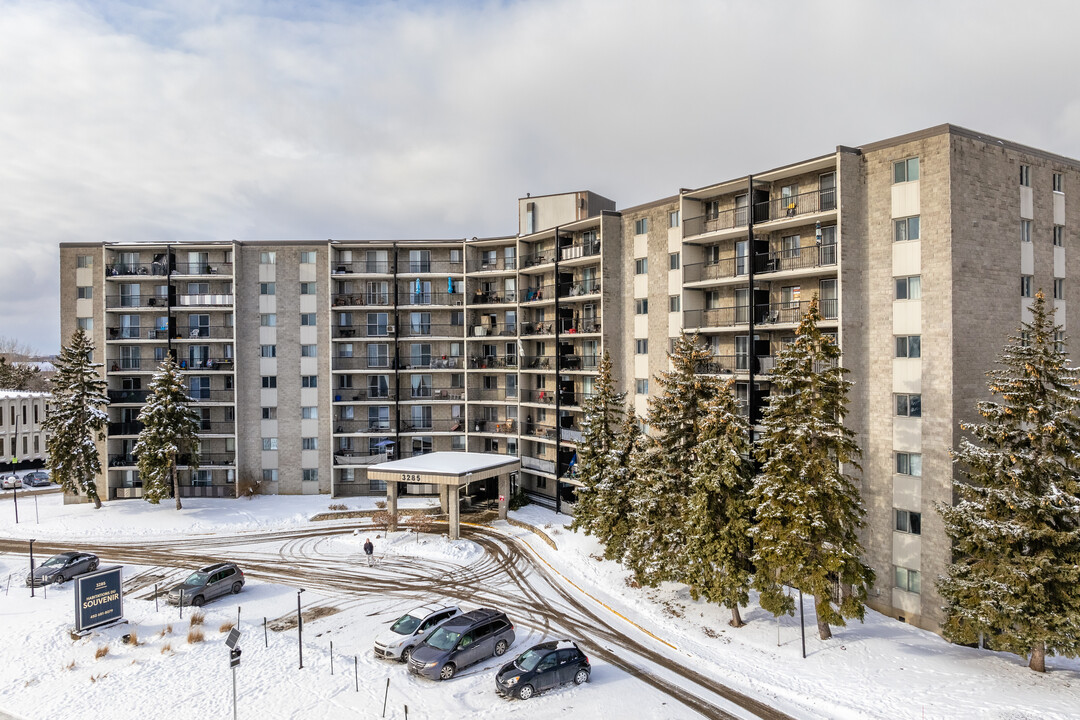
455, 513
391, 505
444, 498
504, 495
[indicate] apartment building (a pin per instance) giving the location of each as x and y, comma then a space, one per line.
22, 433
311, 361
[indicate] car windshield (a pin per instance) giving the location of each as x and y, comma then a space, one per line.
55, 561
443, 639
406, 624
196, 578
528, 659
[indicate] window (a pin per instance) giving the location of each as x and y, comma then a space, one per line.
673, 219
909, 288
85, 324
309, 443
641, 307
268, 319
307, 257
1059, 288
641, 347
641, 226
1025, 231
268, 288
1025, 338
1025, 175
908, 405
908, 346
269, 443
1059, 344
267, 258
268, 351
674, 261
309, 351
906, 170
84, 261
307, 319
674, 303
641, 387
1059, 235
906, 229
269, 475
641, 266
1025, 286
908, 521
1059, 182
909, 464
311, 475
307, 288
269, 381
309, 381
84, 293
269, 413
790, 246
908, 580
309, 412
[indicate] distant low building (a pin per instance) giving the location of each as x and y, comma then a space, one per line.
22, 433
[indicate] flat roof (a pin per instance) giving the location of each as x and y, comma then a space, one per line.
445, 468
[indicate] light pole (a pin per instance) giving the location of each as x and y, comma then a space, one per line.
32, 569
300, 628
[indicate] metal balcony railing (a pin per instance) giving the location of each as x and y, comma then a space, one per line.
408, 328
790, 312
202, 332
538, 464
731, 364
537, 293
222, 300
415, 425
738, 266
578, 250
361, 362
806, 203
493, 297
538, 397
364, 330
442, 267
136, 301
538, 328
364, 395
493, 361
119, 269
493, 330
206, 459
487, 425
128, 396
363, 267
361, 299
537, 430
499, 263
125, 428
537, 362
540, 257
366, 427
217, 427
579, 288
356, 457
198, 396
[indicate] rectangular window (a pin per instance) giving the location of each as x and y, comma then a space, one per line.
267, 258
1059, 344
307, 319
674, 261
1025, 286
906, 229
1059, 288
309, 351
309, 381
269, 381
268, 351
908, 346
908, 580
908, 405
269, 443
269, 413
84, 261
309, 443
1025, 231
641, 266
310, 475
641, 226
84, 293
908, 521
641, 386
308, 288
269, 475
641, 347
909, 464
268, 319
906, 170
85, 324
268, 288
307, 257
1025, 175
641, 306
673, 219
1059, 235
674, 303
1059, 182
309, 412
909, 288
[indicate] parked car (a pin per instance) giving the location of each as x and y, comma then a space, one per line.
208, 583
462, 641
61, 568
37, 478
10, 482
410, 629
542, 667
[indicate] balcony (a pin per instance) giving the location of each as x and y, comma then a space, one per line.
119, 269
781, 313
206, 396
733, 365
410, 329
361, 362
209, 427
539, 328
737, 266
416, 425
369, 427
136, 301
427, 392
493, 298
439, 267
364, 395
355, 457
365, 330
580, 288
481, 362
538, 397
537, 362
500, 427
221, 332
411, 298
541, 257
225, 459
125, 428
134, 397
375, 299
538, 464
782, 208
537, 430
538, 293
202, 268
205, 300
493, 330
579, 250
493, 265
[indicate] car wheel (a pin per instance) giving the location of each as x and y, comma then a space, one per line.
405, 654
581, 676
447, 671
94, 565
236, 587
60, 579
197, 601
500, 647
525, 692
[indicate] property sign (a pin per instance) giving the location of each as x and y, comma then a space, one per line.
99, 598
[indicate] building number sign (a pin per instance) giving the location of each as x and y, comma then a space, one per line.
410, 477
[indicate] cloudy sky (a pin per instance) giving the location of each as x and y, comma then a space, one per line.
196, 119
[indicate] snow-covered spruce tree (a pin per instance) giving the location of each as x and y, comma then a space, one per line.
170, 428
808, 511
76, 419
604, 411
618, 486
718, 545
656, 550
1015, 524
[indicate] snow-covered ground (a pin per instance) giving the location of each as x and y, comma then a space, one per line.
882, 668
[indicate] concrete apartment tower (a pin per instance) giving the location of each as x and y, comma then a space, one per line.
312, 360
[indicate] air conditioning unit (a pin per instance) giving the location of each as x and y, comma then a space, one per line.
390, 329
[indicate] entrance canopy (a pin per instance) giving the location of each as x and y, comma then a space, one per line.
451, 471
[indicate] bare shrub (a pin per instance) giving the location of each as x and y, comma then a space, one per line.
197, 618
194, 635
226, 627
381, 504
166, 648
421, 523
338, 506
70, 666
168, 630
382, 519
132, 638
101, 652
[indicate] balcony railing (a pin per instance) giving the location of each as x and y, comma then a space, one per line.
790, 312
731, 364
408, 328
364, 330
502, 427
128, 396
580, 288
493, 361
411, 298
204, 300
780, 208
541, 257
361, 362
126, 428
537, 362
493, 330
355, 457
737, 266
537, 293
364, 267
540, 397
537, 464
364, 395
123, 269
206, 459
577, 250
415, 425
537, 430
198, 396
221, 427
370, 427
442, 267
378, 299
427, 392
499, 263
492, 298
136, 301
206, 331
538, 328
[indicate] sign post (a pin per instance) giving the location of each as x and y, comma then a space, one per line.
234, 662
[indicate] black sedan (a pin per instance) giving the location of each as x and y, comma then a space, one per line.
542, 667
62, 567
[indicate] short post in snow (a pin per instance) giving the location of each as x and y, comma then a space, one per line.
299, 629
31, 563
237, 617
37, 518
266, 638
181, 603
385, 695
802, 624
356, 672
15, 496
331, 657
155, 597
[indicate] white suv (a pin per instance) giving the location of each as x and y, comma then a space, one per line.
410, 629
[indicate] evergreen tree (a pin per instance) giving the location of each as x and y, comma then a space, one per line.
657, 545
18, 377
718, 546
170, 427
615, 490
808, 511
76, 420
1015, 525
597, 452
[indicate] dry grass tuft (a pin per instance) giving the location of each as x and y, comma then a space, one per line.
381, 504
197, 618
167, 630
194, 635
338, 506
101, 652
133, 637
166, 648
226, 627
70, 666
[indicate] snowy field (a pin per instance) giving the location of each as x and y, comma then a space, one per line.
880, 669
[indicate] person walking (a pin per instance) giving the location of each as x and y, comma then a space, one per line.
369, 550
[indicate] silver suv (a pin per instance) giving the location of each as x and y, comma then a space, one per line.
208, 583
410, 629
